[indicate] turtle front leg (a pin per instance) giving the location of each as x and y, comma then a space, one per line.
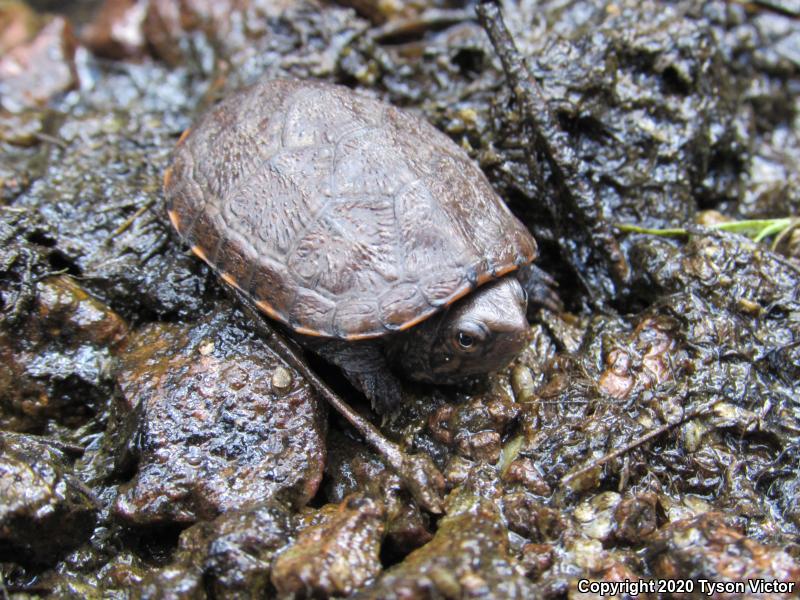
540, 287
417, 471
364, 365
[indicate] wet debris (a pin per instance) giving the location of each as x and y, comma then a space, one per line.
235, 41
645, 361
352, 469
200, 426
707, 549
336, 553
57, 365
475, 429
229, 556
86, 177
418, 472
577, 203
689, 327
467, 557
610, 451
37, 56
116, 31
46, 510
637, 516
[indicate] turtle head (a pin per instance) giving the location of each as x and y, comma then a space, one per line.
478, 334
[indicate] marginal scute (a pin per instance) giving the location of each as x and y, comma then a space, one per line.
184, 135
204, 234
167, 176
267, 309
232, 257
523, 247
174, 219
229, 279
312, 310
504, 270
270, 283
184, 198
440, 289
339, 215
400, 305
357, 318
199, 253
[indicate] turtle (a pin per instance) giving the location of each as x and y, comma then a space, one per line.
371, 236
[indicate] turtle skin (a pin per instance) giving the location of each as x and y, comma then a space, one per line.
338, 215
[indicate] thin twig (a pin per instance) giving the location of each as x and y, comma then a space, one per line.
50, 139
643, 439
431, 19
552, 143
130, 220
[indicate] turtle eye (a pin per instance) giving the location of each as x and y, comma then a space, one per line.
465, 340
468, 337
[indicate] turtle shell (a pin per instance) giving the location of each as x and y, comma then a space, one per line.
337, 214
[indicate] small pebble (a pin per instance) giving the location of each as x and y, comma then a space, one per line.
281, 379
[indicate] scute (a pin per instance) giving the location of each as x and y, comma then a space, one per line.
354, 318
400, 305
338, 214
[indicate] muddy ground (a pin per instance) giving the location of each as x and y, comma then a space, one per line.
153, 445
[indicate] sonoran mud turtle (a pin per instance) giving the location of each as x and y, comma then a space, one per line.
367, 232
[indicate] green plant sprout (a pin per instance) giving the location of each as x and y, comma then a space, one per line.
756, 229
